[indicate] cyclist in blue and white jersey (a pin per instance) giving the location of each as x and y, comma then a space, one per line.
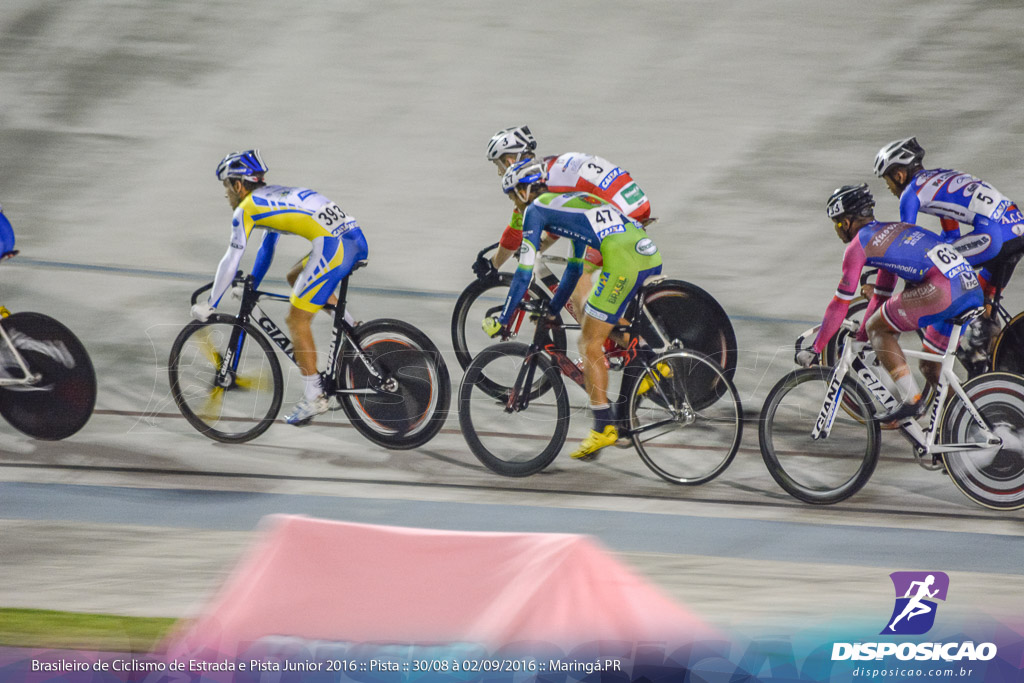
7, 249
338, 244
629, 258
957, 198
996, 240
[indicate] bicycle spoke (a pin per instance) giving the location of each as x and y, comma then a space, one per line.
683, 443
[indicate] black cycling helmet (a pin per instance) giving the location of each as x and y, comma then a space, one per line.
898, 153
850, 200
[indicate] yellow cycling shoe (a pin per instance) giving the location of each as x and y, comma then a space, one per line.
662, 370
594, 442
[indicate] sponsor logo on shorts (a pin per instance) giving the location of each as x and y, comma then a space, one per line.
646, 246
922, 291
972, 244
617, 290
632, 193
601, 283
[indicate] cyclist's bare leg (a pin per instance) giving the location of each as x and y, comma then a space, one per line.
591, 346
302, 340
885, 342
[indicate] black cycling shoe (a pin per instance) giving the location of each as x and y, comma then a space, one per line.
904, 410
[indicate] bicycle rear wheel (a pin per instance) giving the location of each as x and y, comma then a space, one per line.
513, 443
231, 404
61, 401
681, 436
409, 402
682, 315
826, 470
992, 478
481, 299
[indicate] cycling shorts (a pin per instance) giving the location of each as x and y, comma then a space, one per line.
629, 259
330, 261
930, 304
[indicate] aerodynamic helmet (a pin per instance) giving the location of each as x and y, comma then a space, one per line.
850, 200
906, 152
247, 165
511, 141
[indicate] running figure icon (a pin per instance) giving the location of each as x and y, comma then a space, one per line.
915, 606
916, 595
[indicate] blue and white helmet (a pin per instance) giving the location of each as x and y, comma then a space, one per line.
511, 141
526, 172
247, 165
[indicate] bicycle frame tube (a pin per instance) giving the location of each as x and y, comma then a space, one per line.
27, 377
922, 438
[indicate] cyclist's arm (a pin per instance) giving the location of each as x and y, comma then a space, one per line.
573, 270
264, 257
6, 235
510, 240
853, 262
531, 231
229, 263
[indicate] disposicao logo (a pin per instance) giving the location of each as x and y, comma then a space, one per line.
916, 593
914, 614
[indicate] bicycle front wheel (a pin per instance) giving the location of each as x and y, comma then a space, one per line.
481, 299
510, 441
824, 470
1008, 350
404, 383
992, 477
61, 399
230, 401
682, 436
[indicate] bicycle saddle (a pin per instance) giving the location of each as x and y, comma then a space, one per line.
967, 316
357, 266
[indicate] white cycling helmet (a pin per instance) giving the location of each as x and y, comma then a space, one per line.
511, 141
905, 152
526, 172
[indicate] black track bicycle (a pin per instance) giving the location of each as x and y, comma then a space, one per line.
47, 381
677, 407
687, 312
386, 374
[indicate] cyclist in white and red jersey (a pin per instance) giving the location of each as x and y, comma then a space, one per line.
569, 172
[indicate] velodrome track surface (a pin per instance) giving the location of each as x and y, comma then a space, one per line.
738, 119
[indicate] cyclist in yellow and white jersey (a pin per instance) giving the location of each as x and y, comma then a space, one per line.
337, 245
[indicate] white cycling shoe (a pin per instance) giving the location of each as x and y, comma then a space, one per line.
306, 409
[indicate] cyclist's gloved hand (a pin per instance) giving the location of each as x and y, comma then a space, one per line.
492, 327
484, 269
805, 358
202, 311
